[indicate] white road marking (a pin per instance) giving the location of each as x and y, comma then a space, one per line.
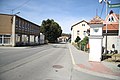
73, 61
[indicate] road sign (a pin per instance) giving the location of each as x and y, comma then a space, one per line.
114, 5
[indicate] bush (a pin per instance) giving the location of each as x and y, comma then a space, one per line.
77, 39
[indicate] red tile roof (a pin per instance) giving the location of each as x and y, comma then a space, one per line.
117, 15
111, 27
96, 20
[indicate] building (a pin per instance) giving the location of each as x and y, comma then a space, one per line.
42, 38
112, 21
79, 29
112, 24
62, 39
15, 31
113, 37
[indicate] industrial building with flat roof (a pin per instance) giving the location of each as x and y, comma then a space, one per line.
16, 31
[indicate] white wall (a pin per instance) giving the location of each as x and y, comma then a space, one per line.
95, 50
96, 33
42, 38
112, 40
81, 29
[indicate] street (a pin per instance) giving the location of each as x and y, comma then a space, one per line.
46, 62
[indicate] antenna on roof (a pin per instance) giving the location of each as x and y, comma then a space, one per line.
96, 12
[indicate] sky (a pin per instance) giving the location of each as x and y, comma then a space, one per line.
65, 12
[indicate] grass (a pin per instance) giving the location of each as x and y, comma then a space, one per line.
112, 57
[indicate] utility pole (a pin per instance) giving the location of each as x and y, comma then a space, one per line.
106, 1
106, 25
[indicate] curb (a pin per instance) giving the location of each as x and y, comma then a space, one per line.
96, 73
14, 47
89, 71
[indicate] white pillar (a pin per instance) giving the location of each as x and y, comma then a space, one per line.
95, 49
95, 40
13, 31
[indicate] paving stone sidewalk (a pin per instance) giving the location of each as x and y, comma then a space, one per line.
81, 61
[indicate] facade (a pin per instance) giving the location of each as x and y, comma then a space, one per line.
79, 29
112, 21
15, 31
113, 36
62, 39
42, 38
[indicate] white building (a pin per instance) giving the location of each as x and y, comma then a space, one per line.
112, 21
79, 29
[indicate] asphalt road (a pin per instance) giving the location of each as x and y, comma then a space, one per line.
48, 62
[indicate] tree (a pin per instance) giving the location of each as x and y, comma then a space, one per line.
77, 39
84, 42
51, 30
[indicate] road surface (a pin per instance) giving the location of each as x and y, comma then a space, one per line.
47, 62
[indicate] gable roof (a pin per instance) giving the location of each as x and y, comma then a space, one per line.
112, 26
117, 15
79, 23
111, 13
96, 20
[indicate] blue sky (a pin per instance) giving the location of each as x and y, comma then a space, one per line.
64, 12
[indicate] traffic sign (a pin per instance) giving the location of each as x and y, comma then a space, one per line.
114, 5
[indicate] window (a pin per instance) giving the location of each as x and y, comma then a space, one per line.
84, 33
109, 19
0, 39
112, 19
17, 22
78, 32
7, 36
7, 40
83, 24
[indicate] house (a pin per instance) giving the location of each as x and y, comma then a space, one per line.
112, 24
15, 31
62, 39
79, 29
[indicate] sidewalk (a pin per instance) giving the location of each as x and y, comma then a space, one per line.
103, 69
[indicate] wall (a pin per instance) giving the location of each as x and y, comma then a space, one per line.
112, 40
81, 29
95, 49
5, 24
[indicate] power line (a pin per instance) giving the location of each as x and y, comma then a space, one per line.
20, 6
102, 9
